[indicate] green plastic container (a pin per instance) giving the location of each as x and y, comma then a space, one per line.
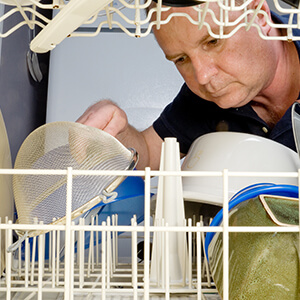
262, 266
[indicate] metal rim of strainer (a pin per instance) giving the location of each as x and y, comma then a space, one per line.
89, 204
134, 160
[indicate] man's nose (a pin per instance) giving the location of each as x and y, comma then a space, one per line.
204, 69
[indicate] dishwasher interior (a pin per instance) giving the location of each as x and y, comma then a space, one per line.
211, 227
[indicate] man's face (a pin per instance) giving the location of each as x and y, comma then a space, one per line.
229, 72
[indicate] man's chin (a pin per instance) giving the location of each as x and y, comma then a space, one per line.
228, 104
224, 103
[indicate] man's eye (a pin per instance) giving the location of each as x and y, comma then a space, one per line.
213, 42
180, 60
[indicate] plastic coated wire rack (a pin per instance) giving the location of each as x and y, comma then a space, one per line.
88, 18
55, 270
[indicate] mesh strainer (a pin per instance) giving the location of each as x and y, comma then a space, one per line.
60, 145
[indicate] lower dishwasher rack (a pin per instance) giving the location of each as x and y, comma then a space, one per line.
69, 262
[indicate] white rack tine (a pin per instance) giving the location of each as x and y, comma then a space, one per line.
67, 248
97, 241
24, 15
194, 241
190, 243
226, 14
27, 262
92, 245
8, 260
289, 29
57, 257
158, 13
254, 16
33, 260
19, 261
164, 245
137, 18
91, 249
202, 14
108, 16
185, 264
134, 270
50, 250
147, 234
41, 251
108, 253
199, 263
117, 241
205, 265
225, 237
80, 253
167, 263
72, 260
221, 27
103, 259
157, 238
53, 252
114, 233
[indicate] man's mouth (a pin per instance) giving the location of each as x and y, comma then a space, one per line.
217, 92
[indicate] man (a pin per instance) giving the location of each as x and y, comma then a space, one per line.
243, 83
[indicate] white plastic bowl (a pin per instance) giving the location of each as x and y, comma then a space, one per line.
239, 152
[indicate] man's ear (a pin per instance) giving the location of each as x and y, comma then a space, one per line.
261, 18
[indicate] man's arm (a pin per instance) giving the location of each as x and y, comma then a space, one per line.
107, 116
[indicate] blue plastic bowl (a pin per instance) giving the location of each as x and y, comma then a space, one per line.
129, 202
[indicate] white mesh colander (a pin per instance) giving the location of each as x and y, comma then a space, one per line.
60, 145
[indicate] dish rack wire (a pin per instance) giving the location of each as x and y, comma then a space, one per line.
87, 19
99, 271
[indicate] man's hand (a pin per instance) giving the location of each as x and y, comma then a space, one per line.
105, 115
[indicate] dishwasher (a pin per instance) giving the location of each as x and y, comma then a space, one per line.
213, 226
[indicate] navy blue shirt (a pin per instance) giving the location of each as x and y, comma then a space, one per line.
190, 116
